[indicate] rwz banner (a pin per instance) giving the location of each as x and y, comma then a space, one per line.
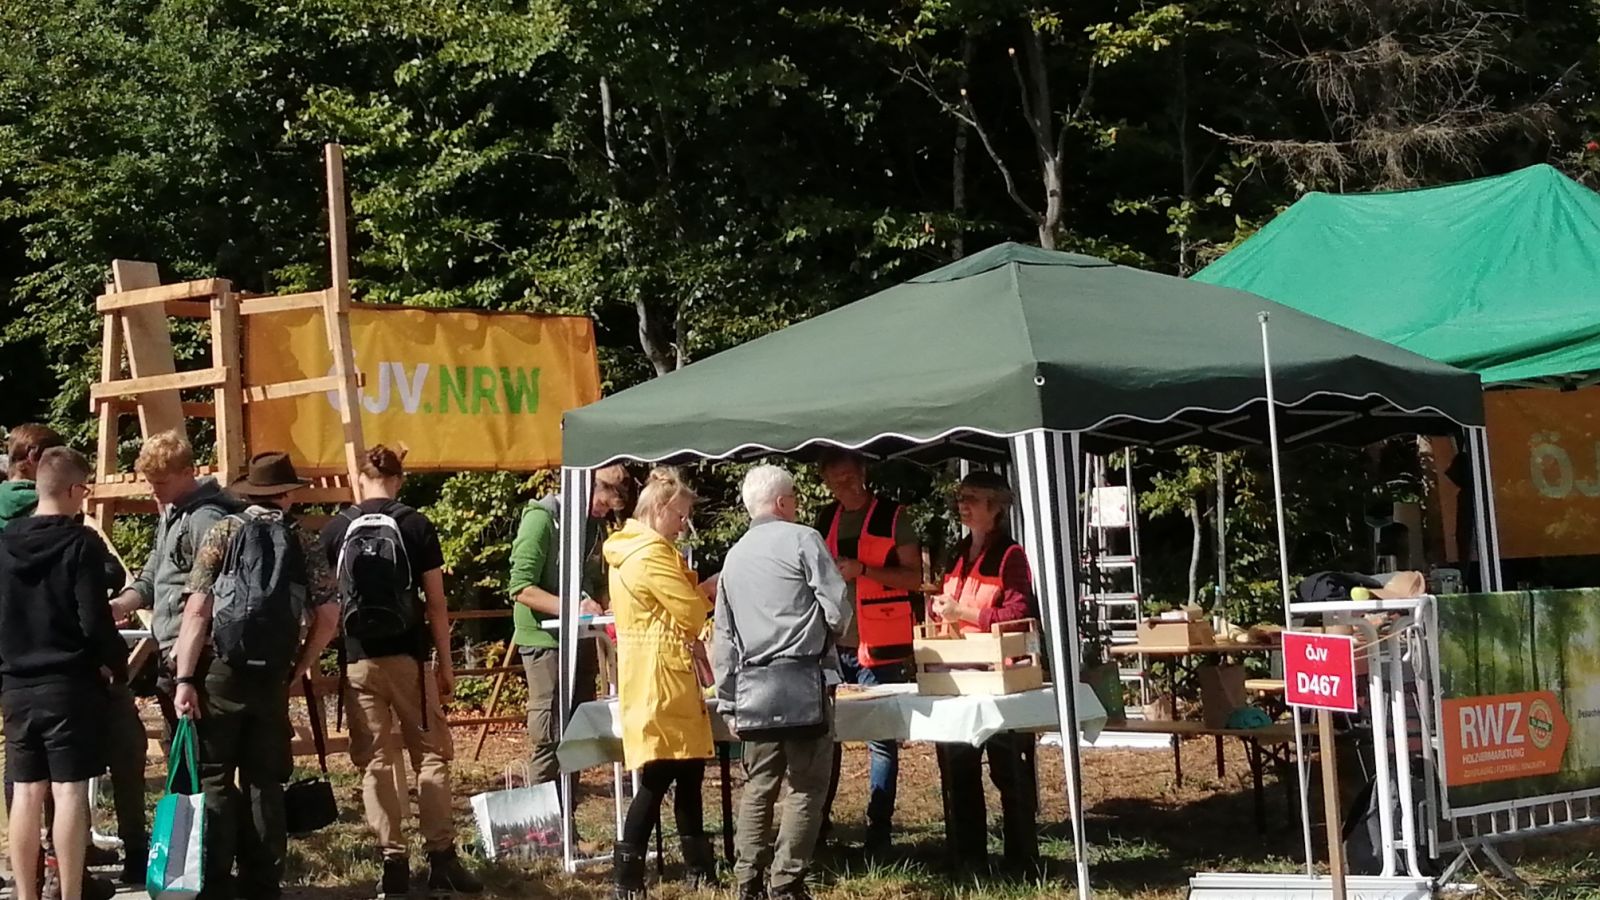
1519, 678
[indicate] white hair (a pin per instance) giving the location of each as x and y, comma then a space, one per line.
763, 487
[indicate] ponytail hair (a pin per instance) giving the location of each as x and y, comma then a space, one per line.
664, 486
381, 462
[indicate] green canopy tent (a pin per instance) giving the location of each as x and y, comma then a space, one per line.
1499, 276
1028, 356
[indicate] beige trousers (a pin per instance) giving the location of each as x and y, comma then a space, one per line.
382, 693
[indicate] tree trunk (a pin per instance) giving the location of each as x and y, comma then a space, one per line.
1198, 525
958, 160
653, 340
1533, 646
1190, 172
1041, 118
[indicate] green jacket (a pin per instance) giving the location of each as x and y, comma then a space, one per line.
17, 501
535, 560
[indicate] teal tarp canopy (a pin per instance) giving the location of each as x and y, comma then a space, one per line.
1015, 339
1500, 276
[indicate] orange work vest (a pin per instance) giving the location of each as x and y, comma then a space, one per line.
883, 614
981, 587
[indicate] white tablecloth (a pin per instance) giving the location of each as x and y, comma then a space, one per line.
896, 711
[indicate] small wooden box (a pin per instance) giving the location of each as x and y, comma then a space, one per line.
1156, 633
955, 664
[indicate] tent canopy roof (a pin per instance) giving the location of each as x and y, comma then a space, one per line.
1015, 339
1499, 276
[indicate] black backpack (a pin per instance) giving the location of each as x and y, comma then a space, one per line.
259, 599
377, 599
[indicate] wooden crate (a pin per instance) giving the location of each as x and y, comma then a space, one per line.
981, 659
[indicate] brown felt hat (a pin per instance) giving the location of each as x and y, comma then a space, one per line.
271, 474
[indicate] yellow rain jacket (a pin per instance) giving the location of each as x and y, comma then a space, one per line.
659, 610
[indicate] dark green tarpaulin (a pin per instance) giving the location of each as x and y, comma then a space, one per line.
1014, 339
1500, 276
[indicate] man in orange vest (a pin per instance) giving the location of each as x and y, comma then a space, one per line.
881, 563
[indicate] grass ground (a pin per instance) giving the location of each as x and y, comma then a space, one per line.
1146, 836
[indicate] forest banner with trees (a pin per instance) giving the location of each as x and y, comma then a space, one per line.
1520, 681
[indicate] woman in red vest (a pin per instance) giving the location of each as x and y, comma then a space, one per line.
988, 583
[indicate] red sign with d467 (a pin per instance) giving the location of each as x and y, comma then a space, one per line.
1319, 671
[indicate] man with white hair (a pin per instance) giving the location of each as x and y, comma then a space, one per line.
780, 610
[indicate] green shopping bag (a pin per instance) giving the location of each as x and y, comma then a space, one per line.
177, 857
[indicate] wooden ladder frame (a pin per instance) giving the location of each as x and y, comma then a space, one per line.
138, 372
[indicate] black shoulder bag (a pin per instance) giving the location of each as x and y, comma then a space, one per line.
308, 804
787, 692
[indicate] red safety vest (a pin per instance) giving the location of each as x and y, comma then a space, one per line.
883, 614
980, 586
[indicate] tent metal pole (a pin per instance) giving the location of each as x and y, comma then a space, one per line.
1049, 499
1222, 533
1283, 573
574, 516
1491, 515
1488, 576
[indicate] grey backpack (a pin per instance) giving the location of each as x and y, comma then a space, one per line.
259, 599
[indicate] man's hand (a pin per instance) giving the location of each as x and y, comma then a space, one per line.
186, 700
588, 607
447, 681
851, 569
125, 604
301, 670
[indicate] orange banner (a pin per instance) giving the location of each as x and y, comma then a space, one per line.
1503, 737
462, 390
1544, 446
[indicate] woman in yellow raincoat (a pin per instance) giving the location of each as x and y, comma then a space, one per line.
666, 731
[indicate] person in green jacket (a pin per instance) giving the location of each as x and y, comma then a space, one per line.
535, 588
24, 445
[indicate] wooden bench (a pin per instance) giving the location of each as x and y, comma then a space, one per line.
1271, 743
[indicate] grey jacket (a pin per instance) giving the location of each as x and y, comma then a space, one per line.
781, 590
182, 527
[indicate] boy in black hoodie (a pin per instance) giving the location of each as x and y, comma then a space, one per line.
58, 649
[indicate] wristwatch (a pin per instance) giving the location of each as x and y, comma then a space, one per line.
190, 680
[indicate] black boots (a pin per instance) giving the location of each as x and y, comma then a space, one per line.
627, 864
447, 876
396, 881
699, 863
135, 863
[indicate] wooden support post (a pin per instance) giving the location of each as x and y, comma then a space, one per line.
110, 415
494, 703
227, 398
336, 316
148, 342
1330, 802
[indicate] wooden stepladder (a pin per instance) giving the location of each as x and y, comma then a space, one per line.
139, 373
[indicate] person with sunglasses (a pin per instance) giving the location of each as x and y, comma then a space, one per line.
988, 583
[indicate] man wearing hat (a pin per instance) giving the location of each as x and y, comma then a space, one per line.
236, 688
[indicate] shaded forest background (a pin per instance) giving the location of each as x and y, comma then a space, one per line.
693, 175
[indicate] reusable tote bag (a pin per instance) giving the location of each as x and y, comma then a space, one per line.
519, 822
176, 855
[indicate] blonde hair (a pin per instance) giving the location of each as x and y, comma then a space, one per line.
664, 486
167, 453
